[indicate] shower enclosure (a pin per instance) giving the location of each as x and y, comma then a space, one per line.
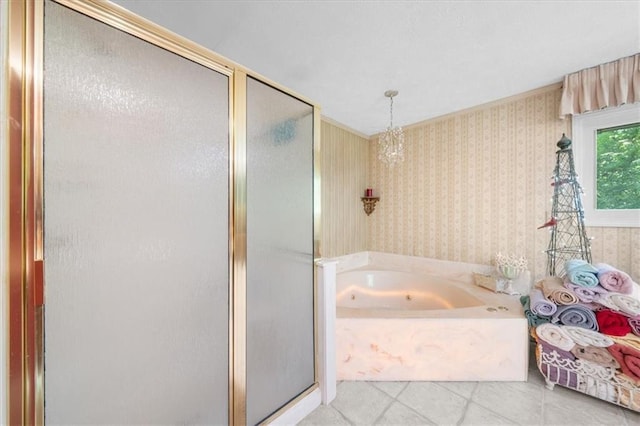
169, 229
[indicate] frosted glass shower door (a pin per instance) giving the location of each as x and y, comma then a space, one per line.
280, 352
136, 183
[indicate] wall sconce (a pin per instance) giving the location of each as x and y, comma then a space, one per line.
369, 201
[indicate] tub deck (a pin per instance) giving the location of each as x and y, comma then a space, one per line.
489, 342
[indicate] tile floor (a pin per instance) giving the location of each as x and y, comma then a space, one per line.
467, 403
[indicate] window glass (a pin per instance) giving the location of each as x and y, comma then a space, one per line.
618, 167
606, 146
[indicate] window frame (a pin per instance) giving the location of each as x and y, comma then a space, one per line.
584, 131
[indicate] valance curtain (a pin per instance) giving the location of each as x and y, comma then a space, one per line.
607, 85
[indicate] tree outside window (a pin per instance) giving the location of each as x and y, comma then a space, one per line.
618, 168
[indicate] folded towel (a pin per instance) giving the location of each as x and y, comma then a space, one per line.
540, 305
585, 294
613, 279
612, 323
581, 272
629, 360
604, 299
600, 356
553, 290
629, 340
533, 319
627, 305
634, 322
554, 336
577, 315
595, 307
585, 337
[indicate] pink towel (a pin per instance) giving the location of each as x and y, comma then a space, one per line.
629, 360
613, 279
597, 355
585, 294
634, 322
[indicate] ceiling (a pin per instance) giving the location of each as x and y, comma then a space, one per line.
442, 56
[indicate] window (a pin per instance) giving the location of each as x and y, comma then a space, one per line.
606, 146
618, 167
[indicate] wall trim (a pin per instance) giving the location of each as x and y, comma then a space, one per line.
344, 127
491, 104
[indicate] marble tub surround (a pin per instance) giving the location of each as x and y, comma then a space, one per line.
391, 349
442, 268
483, 342
458, 271
352, 261
408, 263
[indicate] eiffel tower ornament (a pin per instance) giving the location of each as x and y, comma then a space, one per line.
568, 237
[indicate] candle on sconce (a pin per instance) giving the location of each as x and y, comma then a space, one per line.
368, 192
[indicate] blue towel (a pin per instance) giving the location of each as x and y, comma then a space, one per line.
580, 272
577, 315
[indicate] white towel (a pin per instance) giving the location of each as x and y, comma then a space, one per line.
555, 336
585, 337
626, 304
605, 300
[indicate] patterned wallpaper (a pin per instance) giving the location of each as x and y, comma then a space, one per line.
343, 170
474, 183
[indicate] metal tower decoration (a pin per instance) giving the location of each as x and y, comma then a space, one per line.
568, 237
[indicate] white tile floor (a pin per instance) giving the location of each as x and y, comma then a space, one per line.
467, 403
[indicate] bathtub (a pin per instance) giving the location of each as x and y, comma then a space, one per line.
402, 318
375, 290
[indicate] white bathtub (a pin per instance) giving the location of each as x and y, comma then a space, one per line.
376, 290
405, 318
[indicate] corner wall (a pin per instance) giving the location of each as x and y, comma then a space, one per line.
477, 182
344, 166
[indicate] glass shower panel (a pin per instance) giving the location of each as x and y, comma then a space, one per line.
136, 173
280, 351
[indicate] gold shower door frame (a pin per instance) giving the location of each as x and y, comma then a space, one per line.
25, 396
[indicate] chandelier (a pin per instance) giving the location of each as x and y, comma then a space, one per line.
391, 142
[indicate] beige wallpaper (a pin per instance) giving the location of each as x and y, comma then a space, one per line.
619, 247
477, 182
343, 170
474, 183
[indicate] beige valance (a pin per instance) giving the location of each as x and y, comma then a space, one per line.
611, 84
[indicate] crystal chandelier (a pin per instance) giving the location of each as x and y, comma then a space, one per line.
391, 142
